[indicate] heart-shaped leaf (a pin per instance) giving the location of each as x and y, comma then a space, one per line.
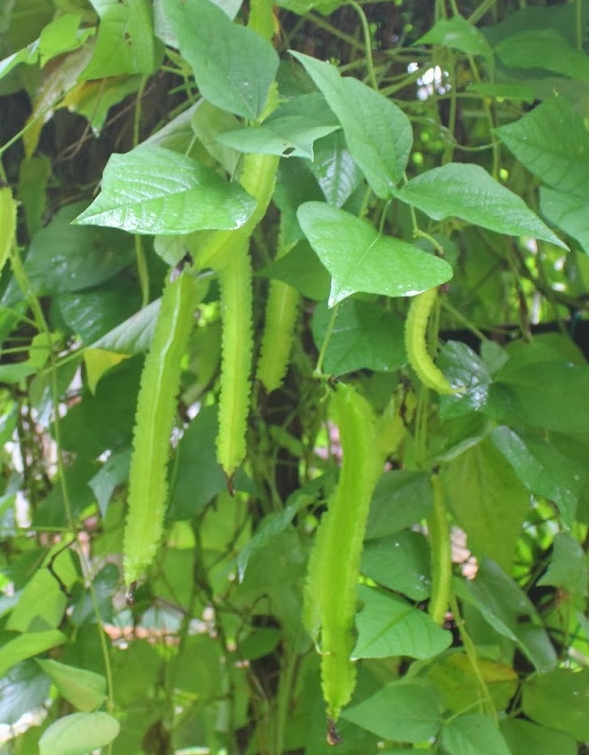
360, 259
467, 191
154, 190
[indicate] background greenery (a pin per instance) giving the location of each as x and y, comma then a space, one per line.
474, 99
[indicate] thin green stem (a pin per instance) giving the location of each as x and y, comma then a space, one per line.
324, 345
367, 44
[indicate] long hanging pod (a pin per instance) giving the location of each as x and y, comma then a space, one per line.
154, 419
330, 590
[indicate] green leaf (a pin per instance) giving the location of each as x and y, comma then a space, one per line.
336, 170
568, 566
62, 35
154, 190
234, 66
524, 737
568, 212
542, 469
548, 395
360, 259
113, 473
458, 34
93, 313
473, 734
551, 141
198, 668
198, 475
301, 7
26, 646
559, 700
401, 711
41, 604
64, 258
401, 498
459, 684
390, 626
125, 43
291, 130
377, 132
24, 688
400, 562
488, 501
544, 49
363, 336
467, 191
78, 734
132, 336
275, 523
301, 269
84, 689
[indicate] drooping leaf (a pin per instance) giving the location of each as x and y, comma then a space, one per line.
390, 626
78, 734
24, 688
567, 212
473, 734
364, 336
467, 191
458, 34
154, 190
234, 66
360, 259
378, 133
401, 711
301, 269
113, 473
41, 604
134, 335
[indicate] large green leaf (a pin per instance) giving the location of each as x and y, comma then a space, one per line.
360, 259
82, 688
125, 42
473, 734
458, 34
390, 626
377, 132
401, 711
234, 66
559, 700
154, 190
467, 191
552, 142
78, 734
542, 469
364, 336
488, 501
